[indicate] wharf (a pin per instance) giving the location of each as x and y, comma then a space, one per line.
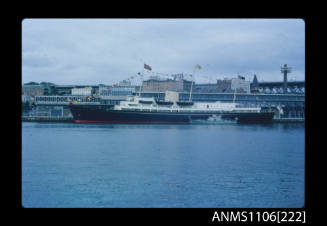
70, 119
46, 119
289, 120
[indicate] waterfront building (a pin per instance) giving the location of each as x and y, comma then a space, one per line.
38, 89
113, 94
84, 91
122, 89
33, 89
234, 85
240, 85
57, 106
224, 86
206, 88
277, 87
48, 88
64, 100
68, 90
155, 84
64, 89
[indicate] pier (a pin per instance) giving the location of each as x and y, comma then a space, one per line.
289, 120
46, 119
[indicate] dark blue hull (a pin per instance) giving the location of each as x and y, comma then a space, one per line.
262, 117
106, 114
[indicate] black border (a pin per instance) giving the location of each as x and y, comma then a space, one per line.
149, 215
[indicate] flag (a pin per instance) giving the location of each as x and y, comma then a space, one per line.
147, 67
198, 67
241, 77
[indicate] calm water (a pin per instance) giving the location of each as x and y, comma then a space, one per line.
203, 165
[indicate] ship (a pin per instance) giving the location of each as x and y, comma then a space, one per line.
148, 110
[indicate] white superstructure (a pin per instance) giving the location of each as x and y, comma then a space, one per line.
149, 104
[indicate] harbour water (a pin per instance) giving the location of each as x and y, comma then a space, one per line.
216, 165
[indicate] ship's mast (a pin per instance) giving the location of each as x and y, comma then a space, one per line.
189, 99
234, 96
196, 67
191, 89
141, 81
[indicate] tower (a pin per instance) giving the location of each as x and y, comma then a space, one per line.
255, 85
285, 70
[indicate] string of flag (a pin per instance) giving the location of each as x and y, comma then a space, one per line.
149, 70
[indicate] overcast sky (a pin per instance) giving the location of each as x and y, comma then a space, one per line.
94, 51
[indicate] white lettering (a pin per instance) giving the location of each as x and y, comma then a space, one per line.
230, 216
235, 217
244, 217
225, 216
215, 216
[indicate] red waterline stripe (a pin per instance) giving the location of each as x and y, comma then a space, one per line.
128, 122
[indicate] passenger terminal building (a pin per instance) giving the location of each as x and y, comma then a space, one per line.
179, 84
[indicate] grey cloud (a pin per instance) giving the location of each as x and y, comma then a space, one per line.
37, 60
107, 51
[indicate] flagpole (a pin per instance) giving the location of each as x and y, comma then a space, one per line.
191, 86
234, 96
141, 80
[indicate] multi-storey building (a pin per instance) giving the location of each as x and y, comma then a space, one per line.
157, 85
